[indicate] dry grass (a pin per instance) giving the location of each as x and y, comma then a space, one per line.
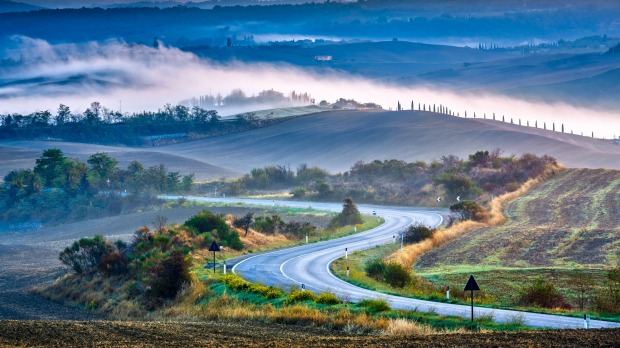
408, 256
403, 327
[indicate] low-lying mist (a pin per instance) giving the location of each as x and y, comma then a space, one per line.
36, 75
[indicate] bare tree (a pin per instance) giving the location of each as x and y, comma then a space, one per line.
160, 222
244, 222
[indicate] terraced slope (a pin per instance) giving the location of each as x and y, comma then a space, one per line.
571, 220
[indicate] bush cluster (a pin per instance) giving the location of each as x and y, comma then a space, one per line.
375, 305
543, 293
327, 298
469, 210
392, 273
300, 296
417, 233
236, 283
214, 227
156, 262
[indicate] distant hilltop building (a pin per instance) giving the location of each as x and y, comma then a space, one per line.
323, 58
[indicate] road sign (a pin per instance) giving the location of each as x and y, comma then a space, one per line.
439, 199
374, 213
214, 247
458, 198
472, 286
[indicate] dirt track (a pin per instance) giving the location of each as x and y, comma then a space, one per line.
224, 334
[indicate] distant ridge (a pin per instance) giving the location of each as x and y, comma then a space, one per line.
12, 6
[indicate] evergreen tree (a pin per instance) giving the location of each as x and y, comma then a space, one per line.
349, 215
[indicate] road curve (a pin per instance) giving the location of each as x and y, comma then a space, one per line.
309, 265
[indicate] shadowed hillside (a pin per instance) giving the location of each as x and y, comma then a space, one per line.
336, 140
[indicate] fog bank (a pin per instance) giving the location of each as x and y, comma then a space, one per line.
36, 75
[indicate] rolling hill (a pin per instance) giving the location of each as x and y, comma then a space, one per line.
336, 140
570, 220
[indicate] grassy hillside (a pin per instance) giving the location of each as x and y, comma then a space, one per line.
572, 220
564, 231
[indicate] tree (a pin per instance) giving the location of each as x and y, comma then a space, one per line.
323, 188
349, 215
244, 222
22, 183
63, 115
186, 182
102, 168
50, 166
469, 210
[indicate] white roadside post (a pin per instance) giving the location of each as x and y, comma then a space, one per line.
306, 237
347, 271
224, 268
394, 239
346, 253
448, 292
355, 229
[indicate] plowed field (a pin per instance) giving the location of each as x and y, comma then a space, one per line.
224, 334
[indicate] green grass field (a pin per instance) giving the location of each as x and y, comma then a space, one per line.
565, 231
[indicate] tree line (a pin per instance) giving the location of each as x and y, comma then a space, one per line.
484, 173
60, 188
103, 125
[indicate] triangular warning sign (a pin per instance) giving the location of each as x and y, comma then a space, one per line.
471, 284
214, 247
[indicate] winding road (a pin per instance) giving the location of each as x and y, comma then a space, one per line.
309, 265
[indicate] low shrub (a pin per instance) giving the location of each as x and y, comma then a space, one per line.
236, 283
396, 274
300, 295
168, 276
416, 234
543, 294
375, 305
375, 269
327, 298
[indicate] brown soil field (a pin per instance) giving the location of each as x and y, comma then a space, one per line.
336, 140
226, 334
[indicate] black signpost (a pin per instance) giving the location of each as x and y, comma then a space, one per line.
214, 247
472, 286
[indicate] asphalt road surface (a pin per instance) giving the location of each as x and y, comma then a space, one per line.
308, 265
